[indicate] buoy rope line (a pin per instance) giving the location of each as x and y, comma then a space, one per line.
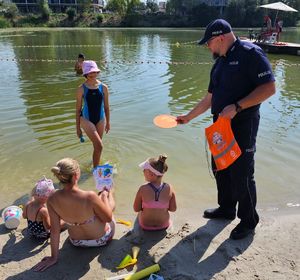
2, 59
177, 44
107, 62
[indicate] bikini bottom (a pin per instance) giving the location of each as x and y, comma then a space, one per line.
151, 228
102, 241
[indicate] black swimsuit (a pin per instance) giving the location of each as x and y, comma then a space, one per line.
37, 229
93, 107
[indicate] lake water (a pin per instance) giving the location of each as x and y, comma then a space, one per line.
148, 74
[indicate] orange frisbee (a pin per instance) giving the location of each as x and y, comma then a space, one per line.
165, 121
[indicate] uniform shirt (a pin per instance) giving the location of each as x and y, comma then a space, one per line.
235, 75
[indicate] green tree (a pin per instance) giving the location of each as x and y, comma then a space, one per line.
83, 6
152, 6
10, 11
132, 6
71, 12
100, 18
123, 7
202, 14
117, 6
44, 9
174, 7
236, 12
4, 23
142, 6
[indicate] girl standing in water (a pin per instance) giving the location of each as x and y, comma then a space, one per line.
93, 113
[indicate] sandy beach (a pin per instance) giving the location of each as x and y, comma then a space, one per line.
195, 248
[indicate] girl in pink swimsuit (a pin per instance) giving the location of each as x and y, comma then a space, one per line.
156, 198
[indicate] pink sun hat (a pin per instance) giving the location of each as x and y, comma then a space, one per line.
89, 66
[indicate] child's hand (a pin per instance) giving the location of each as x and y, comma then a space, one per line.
107, 127
79, 132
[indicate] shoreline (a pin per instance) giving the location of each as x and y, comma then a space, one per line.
195, 248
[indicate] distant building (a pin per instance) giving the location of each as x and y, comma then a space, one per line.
55, 5
215, 3
162, 7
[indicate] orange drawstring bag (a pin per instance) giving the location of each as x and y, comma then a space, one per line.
222, 144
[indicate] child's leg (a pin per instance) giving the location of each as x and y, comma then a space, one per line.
100, 127
93, 134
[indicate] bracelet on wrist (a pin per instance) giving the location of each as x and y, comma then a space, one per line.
238, 107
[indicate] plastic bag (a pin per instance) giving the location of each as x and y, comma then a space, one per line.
222, 144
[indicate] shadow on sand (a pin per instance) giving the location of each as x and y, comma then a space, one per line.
118, 249
193, 255
199, 255
73, 264
15, 251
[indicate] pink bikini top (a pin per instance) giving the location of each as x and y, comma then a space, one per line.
88, 221
156, 204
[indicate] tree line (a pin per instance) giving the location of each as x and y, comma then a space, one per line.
178, 13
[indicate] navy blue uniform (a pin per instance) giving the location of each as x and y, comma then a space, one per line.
232, 78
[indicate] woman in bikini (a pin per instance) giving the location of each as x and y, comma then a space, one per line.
93, 113
155, 199
88, 216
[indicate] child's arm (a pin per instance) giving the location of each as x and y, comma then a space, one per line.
45, 218
79, 95
172, 204
137, 205
77, 66
24, 214
106, 108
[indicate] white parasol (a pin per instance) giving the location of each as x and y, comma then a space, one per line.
279, 6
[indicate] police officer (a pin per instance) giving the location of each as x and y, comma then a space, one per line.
240, 80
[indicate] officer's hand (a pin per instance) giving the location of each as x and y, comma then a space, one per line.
182, 119
228, 112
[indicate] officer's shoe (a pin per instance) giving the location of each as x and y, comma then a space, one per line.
241, 231
218, 213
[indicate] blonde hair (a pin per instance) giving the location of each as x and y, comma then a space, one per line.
65, 169
159, 164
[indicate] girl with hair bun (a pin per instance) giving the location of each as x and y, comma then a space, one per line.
155, 199
88, 217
